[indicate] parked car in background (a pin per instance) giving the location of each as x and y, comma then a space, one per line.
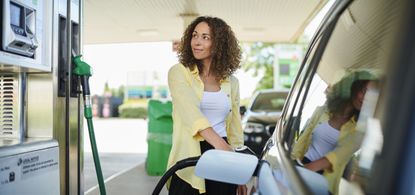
260, 117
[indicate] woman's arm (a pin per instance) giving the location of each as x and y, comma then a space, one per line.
348, 143
186, 104
300, 147
214, 139
320, 164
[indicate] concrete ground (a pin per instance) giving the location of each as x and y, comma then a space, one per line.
122, 148
112, 164
134, 181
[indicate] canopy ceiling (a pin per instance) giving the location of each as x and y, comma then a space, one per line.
124, 21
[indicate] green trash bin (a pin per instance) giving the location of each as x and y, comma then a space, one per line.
159, 136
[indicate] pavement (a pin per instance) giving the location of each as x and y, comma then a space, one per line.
122, 148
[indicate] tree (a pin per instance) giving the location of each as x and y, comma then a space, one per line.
106, 87
118, 92
260, 57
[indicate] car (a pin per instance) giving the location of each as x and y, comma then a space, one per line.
371, 35
260, 117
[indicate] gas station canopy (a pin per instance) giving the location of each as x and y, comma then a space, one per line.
115, 21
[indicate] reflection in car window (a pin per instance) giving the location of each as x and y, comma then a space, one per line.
330, 137
291, 126
355, 46
297, 92
316, 97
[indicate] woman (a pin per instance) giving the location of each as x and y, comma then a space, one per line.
205, 99
330, 138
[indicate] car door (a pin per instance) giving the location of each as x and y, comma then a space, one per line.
355, 35
275, 153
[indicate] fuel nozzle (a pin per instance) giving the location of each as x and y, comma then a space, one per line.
83, 71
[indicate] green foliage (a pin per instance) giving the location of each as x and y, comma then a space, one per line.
106, 87
115, 92
260, 57
267, 81
244, 101
133, 111
118, 92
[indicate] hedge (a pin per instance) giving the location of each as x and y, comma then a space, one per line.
132, 111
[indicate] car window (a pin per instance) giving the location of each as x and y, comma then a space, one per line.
360, 43
269, 102
291, 127
288, 123
316, 97
296, 93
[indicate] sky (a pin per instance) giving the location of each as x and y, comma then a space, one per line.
113, 62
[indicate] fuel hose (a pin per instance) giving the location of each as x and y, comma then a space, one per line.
83, 71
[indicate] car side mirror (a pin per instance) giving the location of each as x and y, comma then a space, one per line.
234, 168
242, 110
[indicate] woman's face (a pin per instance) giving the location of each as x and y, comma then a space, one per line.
358, 99
201, 42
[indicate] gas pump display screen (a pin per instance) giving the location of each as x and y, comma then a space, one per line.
16, 14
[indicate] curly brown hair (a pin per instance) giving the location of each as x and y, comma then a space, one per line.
226, 53
341, 94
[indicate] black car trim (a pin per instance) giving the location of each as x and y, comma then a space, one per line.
393, 168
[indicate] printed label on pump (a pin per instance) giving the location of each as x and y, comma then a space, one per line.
16, 168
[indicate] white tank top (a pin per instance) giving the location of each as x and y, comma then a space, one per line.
216, 106
323, 141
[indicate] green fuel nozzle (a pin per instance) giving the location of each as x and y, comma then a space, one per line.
84, 71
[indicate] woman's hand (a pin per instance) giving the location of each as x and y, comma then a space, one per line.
214, 139
242, 190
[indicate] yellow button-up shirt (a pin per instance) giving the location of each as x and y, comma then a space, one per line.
186, 90
347, 144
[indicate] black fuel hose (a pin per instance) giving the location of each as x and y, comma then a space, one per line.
188, 162
85, 85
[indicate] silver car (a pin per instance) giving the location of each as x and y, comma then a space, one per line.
259, 119
371, 35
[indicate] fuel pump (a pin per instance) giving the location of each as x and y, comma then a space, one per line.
83, 71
